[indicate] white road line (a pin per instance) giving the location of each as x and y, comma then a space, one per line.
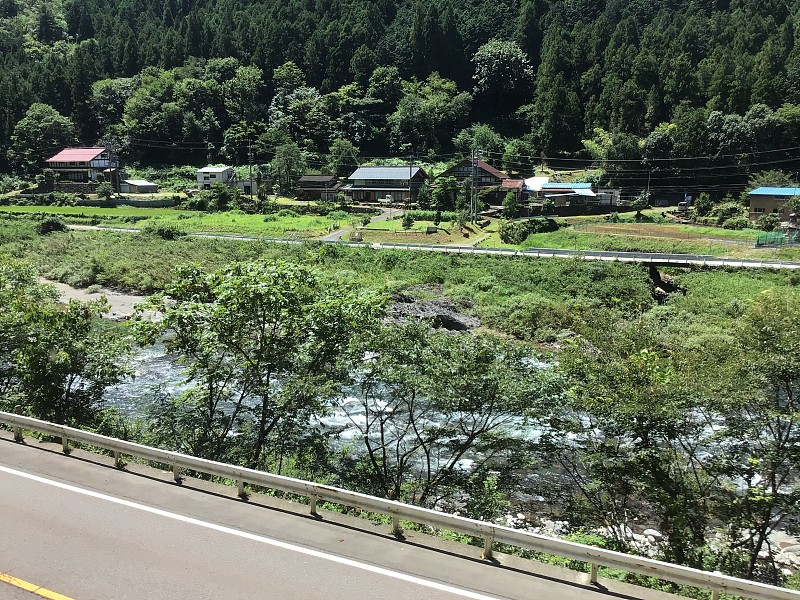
256, 538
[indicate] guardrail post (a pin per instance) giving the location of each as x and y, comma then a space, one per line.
117, 459
593, 573
487, 547
18, 437
312, 505
240, 492
396, 524
176, 472
714, 594
64, 444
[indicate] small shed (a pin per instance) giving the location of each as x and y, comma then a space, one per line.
137, 186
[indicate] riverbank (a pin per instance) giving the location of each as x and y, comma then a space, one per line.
121, 305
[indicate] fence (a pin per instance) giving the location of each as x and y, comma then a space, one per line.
491, 533
777, 238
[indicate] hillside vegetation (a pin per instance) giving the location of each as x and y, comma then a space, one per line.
609, 81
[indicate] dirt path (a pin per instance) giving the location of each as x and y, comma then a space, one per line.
121, 304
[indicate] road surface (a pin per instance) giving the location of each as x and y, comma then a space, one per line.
85, 531
651, 258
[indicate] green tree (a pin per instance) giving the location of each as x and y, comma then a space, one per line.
758, 400
40, 133
408, 221
261, 344
427, 399
511, 208
634, 437
342, 157
288, 166
56, 362
503, 74
703, 204
105, 190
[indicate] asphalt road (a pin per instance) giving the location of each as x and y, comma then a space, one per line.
88, 531
653, 258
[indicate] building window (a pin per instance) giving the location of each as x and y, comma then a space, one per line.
775, 210
758, 209
213, 176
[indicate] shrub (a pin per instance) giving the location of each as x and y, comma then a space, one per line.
408, 221
167, 231
769, 222
287, 212
270, 218
337, 215
513, 232
736, 223
197, 202
726, 210
50, 225
365, 220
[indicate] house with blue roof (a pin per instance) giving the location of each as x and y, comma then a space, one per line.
567, 194
385, 184
765, 200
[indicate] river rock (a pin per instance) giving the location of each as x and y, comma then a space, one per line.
440, 312
792, 549
652, 533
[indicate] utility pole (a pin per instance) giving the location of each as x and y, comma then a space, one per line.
250, 162
474, 174
410, 166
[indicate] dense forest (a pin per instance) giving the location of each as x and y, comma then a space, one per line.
683, 92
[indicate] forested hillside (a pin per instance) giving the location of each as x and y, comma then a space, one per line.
636, 85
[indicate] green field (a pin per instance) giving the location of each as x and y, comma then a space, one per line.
90, 211
232, 222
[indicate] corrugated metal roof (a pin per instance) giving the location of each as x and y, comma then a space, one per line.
77, 155
322, 178
775, 191
376, 173
138, 182
214, 169
567, 186
512, 184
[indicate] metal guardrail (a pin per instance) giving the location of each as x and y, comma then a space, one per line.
491, 533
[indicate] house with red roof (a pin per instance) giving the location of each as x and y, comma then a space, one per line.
81, 165
492, 184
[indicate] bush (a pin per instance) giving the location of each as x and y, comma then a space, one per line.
287, 212
726, 210
513, 232
167, 231
337, 215
270, 218
50, 225
769, 222
408, 221
197, 202
736, 223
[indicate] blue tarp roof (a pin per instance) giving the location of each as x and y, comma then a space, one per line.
775, 191
567, 186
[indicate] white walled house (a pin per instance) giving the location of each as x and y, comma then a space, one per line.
208, 176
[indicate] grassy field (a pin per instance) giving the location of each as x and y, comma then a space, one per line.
232, 222
90, 211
